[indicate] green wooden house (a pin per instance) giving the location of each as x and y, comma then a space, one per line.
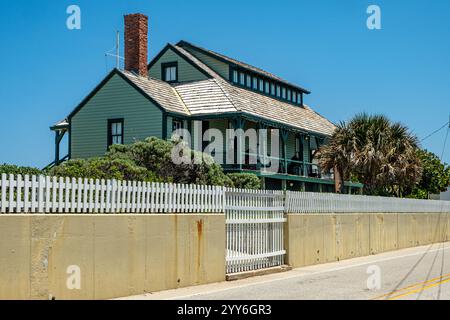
186, 85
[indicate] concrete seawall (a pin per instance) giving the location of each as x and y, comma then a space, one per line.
320, 238
113, 255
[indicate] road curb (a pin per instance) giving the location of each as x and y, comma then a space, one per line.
256, 273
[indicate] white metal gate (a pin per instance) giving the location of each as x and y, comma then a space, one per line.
255, 229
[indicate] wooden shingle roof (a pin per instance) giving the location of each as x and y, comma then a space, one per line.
262, 106
217, 96
162, 92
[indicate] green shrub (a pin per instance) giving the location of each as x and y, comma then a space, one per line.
245, 181
103, 168
156, 156
15, 170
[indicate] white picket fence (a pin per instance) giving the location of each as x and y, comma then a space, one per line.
308, 202
39, 194
255, 224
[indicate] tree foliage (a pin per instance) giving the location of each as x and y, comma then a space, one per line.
376, 152
435, 177
158, 155
103, 168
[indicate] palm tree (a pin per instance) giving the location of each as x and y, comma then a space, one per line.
374, 151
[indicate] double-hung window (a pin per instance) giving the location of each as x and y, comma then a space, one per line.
170, 72
261, 85
115, 132
235, 76
177, 124
300, 99
242, 79
255, 83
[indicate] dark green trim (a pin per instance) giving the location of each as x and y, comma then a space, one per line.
164, 126
259, 120
268, 80
70, 139
304, 179
185, 44
178, 52
58, 128
109, 137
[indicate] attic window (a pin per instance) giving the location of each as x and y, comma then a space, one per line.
257, 83
170, 71
242, 79
249, 81
235, 76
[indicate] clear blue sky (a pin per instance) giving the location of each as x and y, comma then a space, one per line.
402, 71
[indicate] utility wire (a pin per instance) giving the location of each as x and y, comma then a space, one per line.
434, 132
445, 143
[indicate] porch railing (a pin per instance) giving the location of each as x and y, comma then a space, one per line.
286, 166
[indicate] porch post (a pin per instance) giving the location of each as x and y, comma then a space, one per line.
59, 135
284, 137
57, 141
262, 153
239, 123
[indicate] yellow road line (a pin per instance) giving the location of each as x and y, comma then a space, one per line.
390, 294
420, 289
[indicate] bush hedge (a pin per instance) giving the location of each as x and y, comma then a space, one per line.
13, 169
245, 181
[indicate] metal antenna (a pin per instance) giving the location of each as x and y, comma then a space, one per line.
117, 49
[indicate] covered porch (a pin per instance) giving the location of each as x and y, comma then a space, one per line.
297, 166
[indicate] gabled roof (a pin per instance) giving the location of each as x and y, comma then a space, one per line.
218, 97
187, 45
156, 91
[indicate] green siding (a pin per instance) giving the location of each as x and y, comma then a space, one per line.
117, 99
186, 72
220, 67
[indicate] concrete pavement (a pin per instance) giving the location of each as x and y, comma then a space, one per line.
419, 273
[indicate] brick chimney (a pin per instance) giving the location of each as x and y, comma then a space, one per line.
136, 43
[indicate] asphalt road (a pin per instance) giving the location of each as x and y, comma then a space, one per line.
421, 273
